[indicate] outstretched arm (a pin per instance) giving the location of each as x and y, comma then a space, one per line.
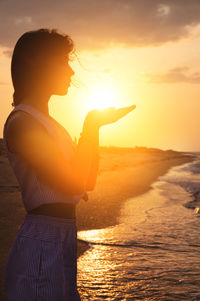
92, 177
93, 140
89, 139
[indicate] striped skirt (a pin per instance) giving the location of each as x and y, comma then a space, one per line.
42, 262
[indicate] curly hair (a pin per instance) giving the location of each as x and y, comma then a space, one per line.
36, 43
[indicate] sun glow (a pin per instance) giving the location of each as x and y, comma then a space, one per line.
101, 97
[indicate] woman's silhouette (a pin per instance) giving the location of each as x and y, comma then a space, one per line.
54, 173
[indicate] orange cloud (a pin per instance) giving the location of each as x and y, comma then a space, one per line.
175, 75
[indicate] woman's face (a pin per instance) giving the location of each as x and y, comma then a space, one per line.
57, 74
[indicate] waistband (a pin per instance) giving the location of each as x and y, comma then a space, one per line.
49, 219
58, 210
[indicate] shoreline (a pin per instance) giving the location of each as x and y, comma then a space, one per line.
101, 214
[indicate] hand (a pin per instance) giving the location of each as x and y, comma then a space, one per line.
98, 118
85, 196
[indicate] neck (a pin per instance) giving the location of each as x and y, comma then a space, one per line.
38, 102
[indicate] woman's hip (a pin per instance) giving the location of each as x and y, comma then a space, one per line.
43, 260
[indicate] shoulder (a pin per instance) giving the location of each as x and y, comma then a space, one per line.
18, 124
20, 118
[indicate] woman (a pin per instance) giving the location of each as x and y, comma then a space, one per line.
53, 172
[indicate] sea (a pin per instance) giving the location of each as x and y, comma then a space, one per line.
153, 253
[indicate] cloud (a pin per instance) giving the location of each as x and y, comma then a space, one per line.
100, 24
175, 75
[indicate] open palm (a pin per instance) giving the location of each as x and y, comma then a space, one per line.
109, 115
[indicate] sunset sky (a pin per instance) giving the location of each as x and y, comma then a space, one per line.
143, 52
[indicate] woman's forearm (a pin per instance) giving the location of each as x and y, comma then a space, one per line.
92, 177
86, 148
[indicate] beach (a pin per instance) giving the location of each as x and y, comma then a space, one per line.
123, 173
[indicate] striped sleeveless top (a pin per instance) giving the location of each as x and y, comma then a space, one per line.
34, 192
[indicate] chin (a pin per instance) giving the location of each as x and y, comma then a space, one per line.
62, 92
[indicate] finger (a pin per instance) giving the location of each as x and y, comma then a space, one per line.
132, 107
128, 108
85, 197
125, 110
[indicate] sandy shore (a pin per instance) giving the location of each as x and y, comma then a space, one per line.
123, 173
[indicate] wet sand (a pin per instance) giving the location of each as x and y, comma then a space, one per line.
123, 173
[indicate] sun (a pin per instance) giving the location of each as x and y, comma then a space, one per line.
101, 97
